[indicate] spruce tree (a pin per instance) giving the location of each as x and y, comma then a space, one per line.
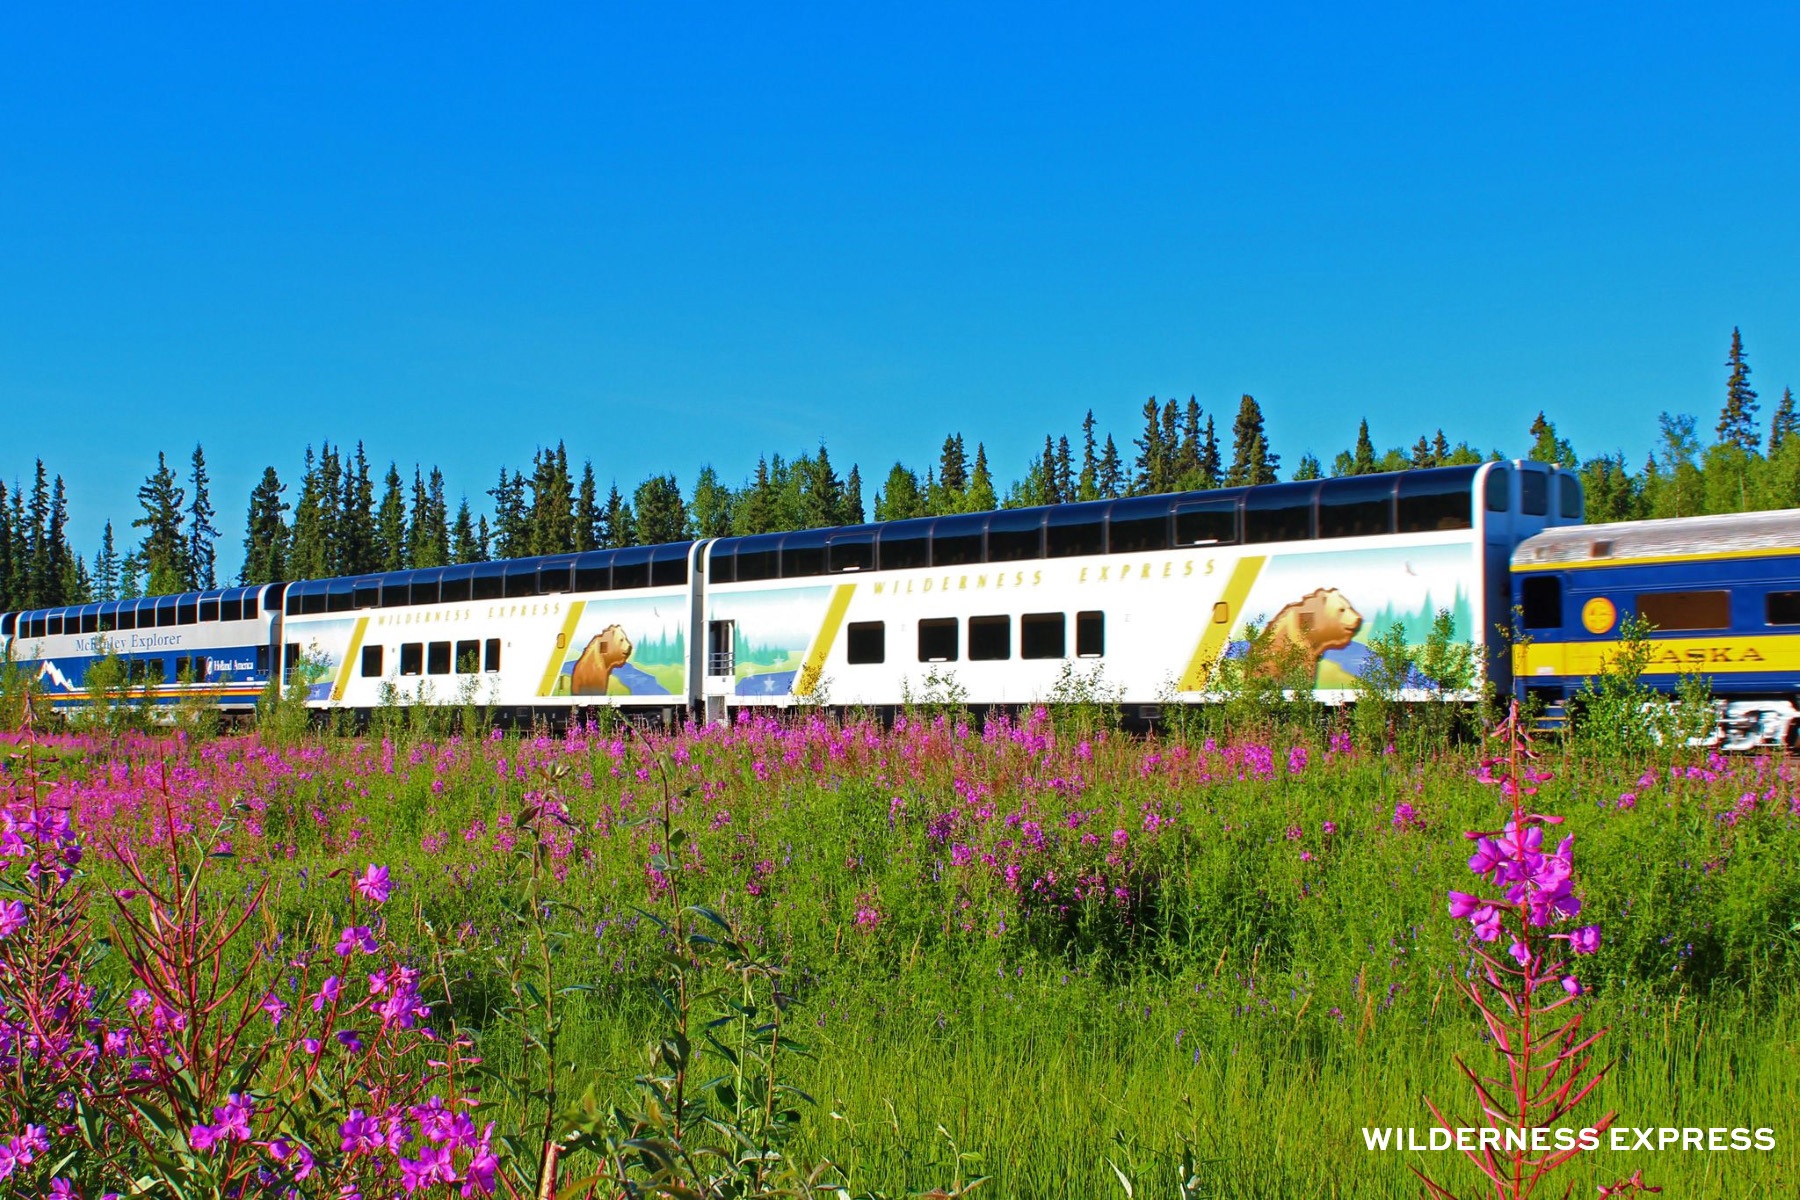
1152, 457
163, 552
7, 557
1421, 454
202, 556
1088, 486
1109, 474
617, 526
552, 518
106, 567
587, 510
390, 523
1546, 447
1211, 466
1363, 457
1251, 461
1065, 470
900, 498
307, 552
266, 534
979, 497
1737, 420
754, 509
359, 546
850, 508
1785, 423
661, 513
1309, 468
65, 587
463, 544
428, 534
40, 591
510, 531
709, 513
822, 500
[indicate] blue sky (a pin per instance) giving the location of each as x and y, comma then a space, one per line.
706, 232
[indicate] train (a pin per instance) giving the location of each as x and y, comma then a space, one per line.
1138, 599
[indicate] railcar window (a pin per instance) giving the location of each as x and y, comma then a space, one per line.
53, 626
231, 610
1090, 634
490, 581
867, 642
90, 622
290, 657
1135, 526
1541, 598
1015, 536
153, 672
1430, 501
371, 662
249, 606
365, 593
802, 554
492, 660
631, 568
937, 640
850, 552
1356, 507
1072, 532
1279, 512
455, 586
1782, 608
396, 590
1206, 523
669, 567
722, 565
1685, 610
1499, 490
1041, 635
202, 668
187, 612
425, 588
262, 660
593, 573
181, 670
165, 613
468, 657
758, 558
209, 610
412, 658
990, 638
126, 617
437, 658
1534, 493
312, 600
340, 595
108, 619
521, 580
553, 577
1569, 490
957, 541
904, 546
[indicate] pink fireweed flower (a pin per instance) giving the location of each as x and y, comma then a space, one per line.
1572, 985
12, 917
1585, 940
1463, 905
361, 1134
353, 938
233, 1117
372, 884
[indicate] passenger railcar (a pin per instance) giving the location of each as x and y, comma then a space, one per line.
1142, 596
215, 645
1720, 593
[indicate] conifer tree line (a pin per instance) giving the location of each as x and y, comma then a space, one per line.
344, 516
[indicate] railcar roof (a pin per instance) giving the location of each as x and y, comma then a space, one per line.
1728, 535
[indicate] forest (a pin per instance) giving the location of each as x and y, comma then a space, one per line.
337, 520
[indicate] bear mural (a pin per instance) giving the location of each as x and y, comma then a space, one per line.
605, 652
1305, 630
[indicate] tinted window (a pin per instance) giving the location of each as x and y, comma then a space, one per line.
231, 610
1360, 506
937, 640
904, 545
1040, 636
631, 568
489, 582
1436, 500
437, 658
165, 612
803, 554
1279, 512
1015, 536
109, 616
866, 642
1541, 598
1090, 634
126, 618
468, 657
990, 638
209, 610
1075, 530
593, 572
456, 585
1206, 522
90, 621
340, 595
1134, 526
396, 590
412, 658
312, 599
1783, 608
53, 626
721, 564
425, 586
1568, 488
491, 655
1499, 490
956, 541
759, 558
371, 662
521, 580
851, 552
1686, 610
669, 566
1534, 493
554, 576
366, 593
250, 604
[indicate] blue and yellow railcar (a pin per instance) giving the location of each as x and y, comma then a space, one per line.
1720, 596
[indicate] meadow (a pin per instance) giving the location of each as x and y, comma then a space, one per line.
1074, 962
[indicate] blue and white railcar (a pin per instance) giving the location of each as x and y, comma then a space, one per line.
1720, 593
1138, 597
214, 645
529, 637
